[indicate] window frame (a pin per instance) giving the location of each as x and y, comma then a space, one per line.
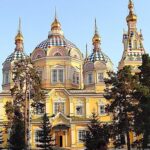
79, 105
99, 80
100, 112
80, 140
88, 81
57, 77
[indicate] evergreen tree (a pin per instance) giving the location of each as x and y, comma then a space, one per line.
142, 116
45, 137
25, 92
119, 90
97, 134
1, 139
16, 139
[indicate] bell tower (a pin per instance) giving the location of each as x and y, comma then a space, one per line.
132, 41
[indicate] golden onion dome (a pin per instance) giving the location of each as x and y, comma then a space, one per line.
131, 16
56, 24
19, 36
96, 38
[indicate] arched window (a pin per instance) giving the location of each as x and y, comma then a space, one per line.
57, 54
75, 78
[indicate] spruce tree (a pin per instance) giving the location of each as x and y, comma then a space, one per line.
1, 139
16, 139
97, 134
142, 116
119, 91
45, 136
26, 92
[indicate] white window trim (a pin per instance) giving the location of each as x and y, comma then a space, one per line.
59, 100
81, 129
87, 76
35, 135
98, 77
57, 75
83, 113
101, 104
76, 74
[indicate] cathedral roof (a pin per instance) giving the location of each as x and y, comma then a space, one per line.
18, 52
56, 40
56, 37
98, 56
16, 55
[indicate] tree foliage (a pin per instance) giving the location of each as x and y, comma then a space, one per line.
142, 94
16, 139
46, 142
1, 139
119, 90
26, 92
97, 134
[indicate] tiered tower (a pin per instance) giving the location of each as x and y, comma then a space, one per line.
16, 55
133, 42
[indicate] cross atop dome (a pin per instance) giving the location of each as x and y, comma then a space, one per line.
56, 26
19, 38
96, 39
132, 16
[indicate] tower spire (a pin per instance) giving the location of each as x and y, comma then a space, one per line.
19, 28
131, 17
86, 51
19, 38
96, 39
55, 26
55, 14
96, 29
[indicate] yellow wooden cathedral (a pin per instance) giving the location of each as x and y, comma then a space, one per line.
75, 84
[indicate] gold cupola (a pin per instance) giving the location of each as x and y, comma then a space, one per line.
19, 36
56, 24
55, 27
96, 39
131, 16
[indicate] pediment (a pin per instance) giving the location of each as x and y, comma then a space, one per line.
60, 119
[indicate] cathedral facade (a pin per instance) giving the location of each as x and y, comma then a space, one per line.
75, 84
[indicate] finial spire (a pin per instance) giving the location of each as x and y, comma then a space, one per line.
96, 29
86, 50
55, 13
19, 28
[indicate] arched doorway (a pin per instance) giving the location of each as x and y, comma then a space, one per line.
61, 135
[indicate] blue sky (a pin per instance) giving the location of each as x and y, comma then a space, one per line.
77, 20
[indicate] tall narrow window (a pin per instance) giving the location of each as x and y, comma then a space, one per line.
59, 107
102, 109
61, 77
6, 77
81, 135
90, 78
38, 133
57, 75
54, 75
79, 110
100, 77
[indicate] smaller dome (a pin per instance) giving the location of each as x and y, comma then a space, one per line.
56, 24
19, 36
98, 56
16, 55
131, 17
96, 38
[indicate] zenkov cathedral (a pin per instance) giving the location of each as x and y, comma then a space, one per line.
73, 82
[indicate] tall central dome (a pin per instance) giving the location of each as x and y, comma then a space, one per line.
56, 37
58, 60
